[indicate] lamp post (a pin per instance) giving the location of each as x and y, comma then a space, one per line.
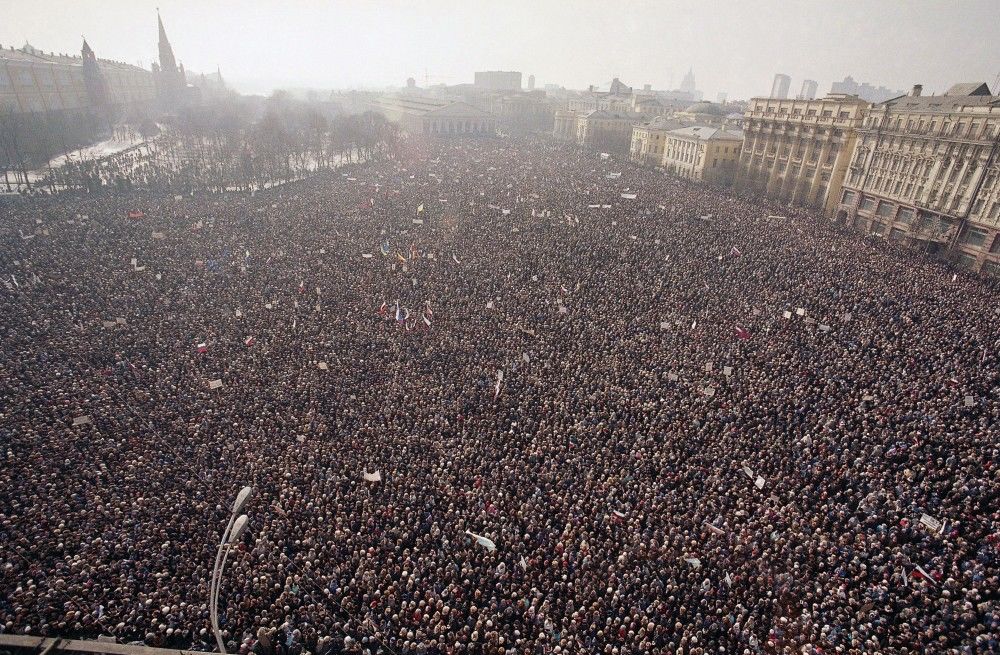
237, 524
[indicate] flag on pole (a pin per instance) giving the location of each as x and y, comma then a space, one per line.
202, 347
383, 310
420, 208
742, 333
249, 341
735, 252
385, 248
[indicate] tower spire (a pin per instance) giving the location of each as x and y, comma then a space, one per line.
167, 61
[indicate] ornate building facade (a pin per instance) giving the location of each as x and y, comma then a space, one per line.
797, 151
703, 153
926, 172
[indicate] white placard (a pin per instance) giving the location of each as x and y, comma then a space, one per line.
82, 420
214, 384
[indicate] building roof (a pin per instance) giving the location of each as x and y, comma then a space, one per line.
705, 133
30, 54
966, 94
969, 89
609, 115
705, 107
663, 123
424, 106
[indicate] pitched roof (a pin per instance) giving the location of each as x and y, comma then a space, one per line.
969, 89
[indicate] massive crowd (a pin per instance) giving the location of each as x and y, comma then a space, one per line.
688, 421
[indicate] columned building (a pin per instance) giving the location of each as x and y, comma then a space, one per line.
926, 172
797, 151
703, 153
419, 115
649, 139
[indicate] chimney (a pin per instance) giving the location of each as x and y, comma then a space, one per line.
917, 89
591, 88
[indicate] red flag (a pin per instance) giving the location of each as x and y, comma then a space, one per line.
202, 347
742, 333
249, 341
383, 311
135, 214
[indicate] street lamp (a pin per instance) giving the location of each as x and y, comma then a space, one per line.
237, 524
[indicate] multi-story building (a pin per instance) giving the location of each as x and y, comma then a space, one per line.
32, 81
422, 115
521, 112
864, 90
498, 80
809, 88
605, 130
926, 172
797, 151
703, 153
779, 88
649, 139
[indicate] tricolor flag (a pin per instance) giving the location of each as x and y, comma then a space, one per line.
203, 347
742, 333
385, 248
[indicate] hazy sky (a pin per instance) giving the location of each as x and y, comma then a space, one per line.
733, 45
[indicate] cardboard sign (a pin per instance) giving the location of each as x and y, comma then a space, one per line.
214, 384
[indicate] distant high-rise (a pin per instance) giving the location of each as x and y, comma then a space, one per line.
721, 97
687, 84
498, 80
864, 90
779, 89
808, 90
531, 83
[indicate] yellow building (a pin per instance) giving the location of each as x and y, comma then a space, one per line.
703, 153
649, 140
603, 130
926, 172
797, 151
32, 81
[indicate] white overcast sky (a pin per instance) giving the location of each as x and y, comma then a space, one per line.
733, 45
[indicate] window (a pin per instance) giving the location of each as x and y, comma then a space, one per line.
868, 205
905, 215
885, 209
975, 237
827, 113
849, 197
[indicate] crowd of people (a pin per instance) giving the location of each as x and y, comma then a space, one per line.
611, 411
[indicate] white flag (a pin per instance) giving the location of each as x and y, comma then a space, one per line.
373, 477
483, 541
694, 562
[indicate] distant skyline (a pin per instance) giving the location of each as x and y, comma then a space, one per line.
733, 47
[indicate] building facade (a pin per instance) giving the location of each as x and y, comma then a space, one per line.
926, 172
797, 151
864, 90
779, 88
649, 140
32, 81
809, 88
498, 80
419, 115
521, 113
703, 153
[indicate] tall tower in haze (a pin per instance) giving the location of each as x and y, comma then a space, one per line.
93, 80
170, 82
